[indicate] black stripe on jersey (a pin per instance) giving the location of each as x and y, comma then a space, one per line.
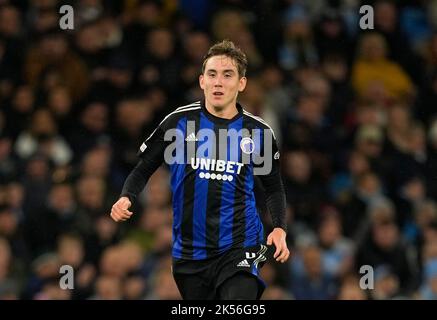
189, 191
214, 203
239, 221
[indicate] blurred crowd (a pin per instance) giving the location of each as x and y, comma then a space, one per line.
354, 112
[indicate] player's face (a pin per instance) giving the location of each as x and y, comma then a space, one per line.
221, 82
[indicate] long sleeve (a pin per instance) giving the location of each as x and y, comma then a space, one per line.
274, 188
275, 196
151, 155
138, 178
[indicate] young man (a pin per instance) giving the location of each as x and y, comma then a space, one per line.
219, 147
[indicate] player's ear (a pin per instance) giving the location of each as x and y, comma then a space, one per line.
242, 84
201, 81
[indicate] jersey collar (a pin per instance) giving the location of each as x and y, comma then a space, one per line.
216, 119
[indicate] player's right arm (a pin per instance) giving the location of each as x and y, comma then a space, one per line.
151, 155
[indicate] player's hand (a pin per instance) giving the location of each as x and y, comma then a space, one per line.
277, 237
119, 211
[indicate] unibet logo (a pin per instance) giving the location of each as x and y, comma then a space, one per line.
219, 166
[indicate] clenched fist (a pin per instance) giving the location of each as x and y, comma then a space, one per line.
119, 211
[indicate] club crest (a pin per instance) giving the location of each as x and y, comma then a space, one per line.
247, 145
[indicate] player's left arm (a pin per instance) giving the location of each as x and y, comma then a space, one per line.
276, 204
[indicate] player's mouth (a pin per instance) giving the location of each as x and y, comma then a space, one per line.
217, 94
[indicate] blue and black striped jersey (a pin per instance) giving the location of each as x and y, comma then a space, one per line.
213, 163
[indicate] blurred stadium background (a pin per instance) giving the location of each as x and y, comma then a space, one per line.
354, 112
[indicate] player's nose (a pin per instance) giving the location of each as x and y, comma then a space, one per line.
218, 81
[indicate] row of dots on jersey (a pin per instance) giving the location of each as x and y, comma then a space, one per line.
213, 176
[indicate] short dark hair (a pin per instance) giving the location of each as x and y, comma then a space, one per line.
228, 48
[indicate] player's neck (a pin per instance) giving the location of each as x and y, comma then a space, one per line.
226, 112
